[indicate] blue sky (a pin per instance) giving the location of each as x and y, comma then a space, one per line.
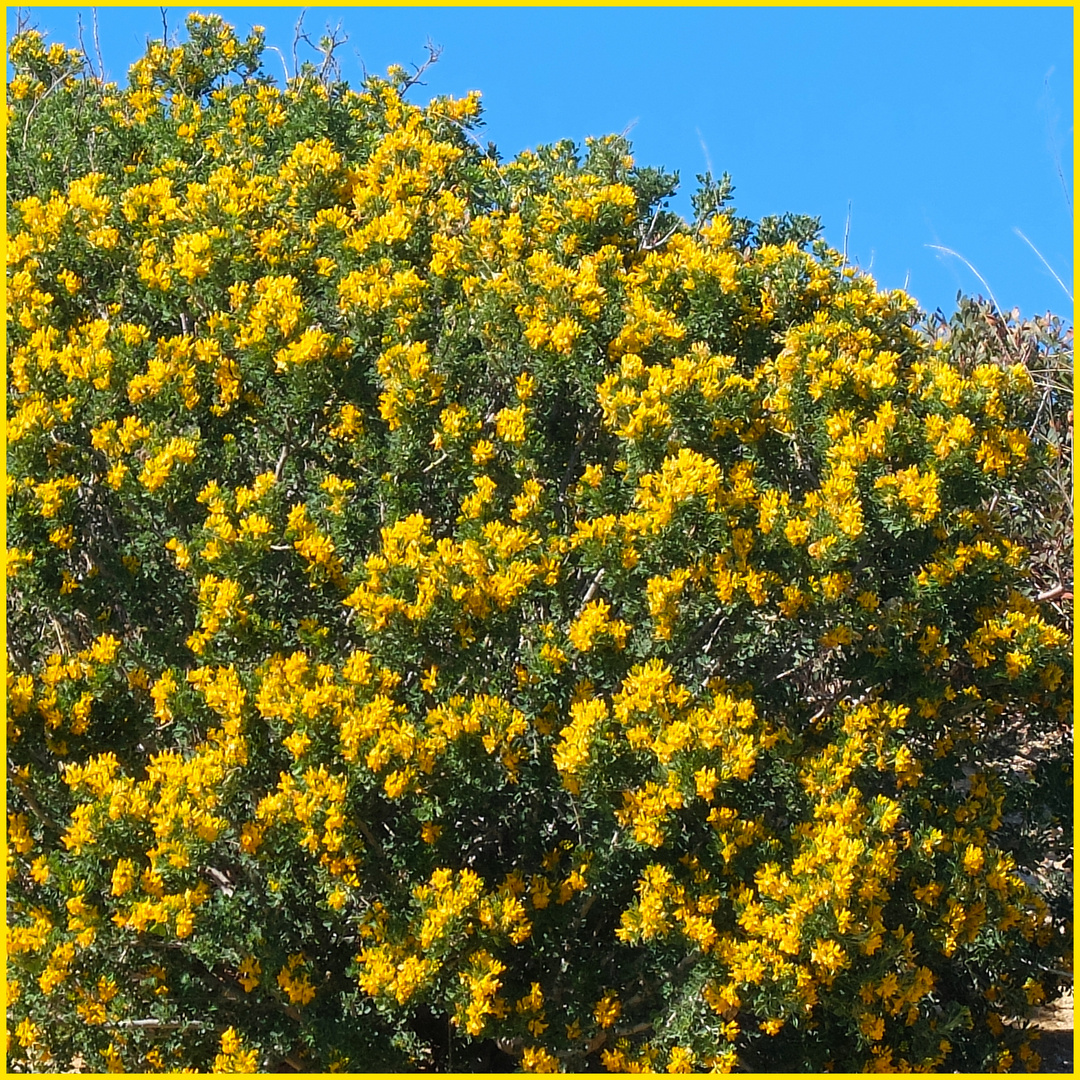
937, 126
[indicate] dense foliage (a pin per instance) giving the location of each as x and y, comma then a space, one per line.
461, 617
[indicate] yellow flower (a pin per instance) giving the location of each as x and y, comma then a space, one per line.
608, 1009
829, 956
593, 622
248, 973
69, 280
157, 468
797, 530
572, 752
510, 424
873, 1027
920, 492
680, 1060
312, 345
483, 451
705, 780
537, 1059
298, 988
525, 386
974, 859
28, 1033
472, 506
192, 253
233, 1057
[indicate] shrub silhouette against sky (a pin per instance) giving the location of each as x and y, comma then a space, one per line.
462, 616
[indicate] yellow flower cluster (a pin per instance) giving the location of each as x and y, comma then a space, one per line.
234, 1058
295, 982
595, 621
478, 575
433, 582
449, 907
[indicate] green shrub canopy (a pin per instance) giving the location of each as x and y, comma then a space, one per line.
462, 617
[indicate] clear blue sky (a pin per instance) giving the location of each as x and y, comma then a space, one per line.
938, 126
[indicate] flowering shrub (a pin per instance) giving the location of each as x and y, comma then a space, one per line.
461, 617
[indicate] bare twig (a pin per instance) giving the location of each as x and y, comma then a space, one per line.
298, 35
434, 52
153, 1024
705, 151
33, 109
82, 46
281, 57
1055, 152
223, 882
31, 801
1058, 592
656, 244
648, 232
956, 254
369, 836
841, 699
591, 591
282, 458
847, 230
1044, 262
97, 45
328, 45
